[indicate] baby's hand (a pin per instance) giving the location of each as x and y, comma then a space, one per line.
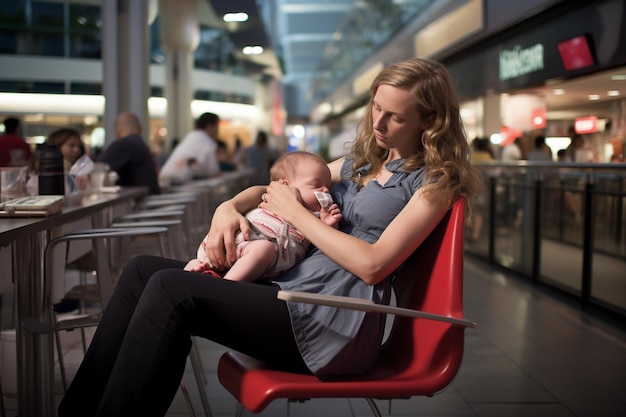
331, 215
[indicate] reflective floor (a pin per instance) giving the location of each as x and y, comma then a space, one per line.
532, 355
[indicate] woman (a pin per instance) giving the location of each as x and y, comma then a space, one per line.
69, 143
406, 167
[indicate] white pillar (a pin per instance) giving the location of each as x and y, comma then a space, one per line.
179, 37
109, 66
492, 121
126, 60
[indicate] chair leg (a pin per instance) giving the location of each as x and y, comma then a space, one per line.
196, 360
84, 340
185, 391
2, 411
61, 361
198, 372
373, 406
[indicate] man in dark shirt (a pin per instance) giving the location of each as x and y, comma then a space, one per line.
129, 156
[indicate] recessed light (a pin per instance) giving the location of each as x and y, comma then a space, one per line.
252, 50
618, 77
613, 93
235, 17
558, 91
594, 97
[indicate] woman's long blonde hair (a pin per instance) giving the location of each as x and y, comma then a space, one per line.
442, 148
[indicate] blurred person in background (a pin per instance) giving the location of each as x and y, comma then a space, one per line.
513, 151
14, 151
238, 152
541, 151
224, 158
69, 143
129, 155
196, 154
259, 157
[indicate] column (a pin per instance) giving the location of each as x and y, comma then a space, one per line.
492, 121
179, 37
126, 61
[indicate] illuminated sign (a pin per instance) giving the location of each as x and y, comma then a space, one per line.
576, 53
518, 61
538, 118
584, 125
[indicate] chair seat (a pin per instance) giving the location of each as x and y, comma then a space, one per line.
87, 262
84, 292
255, 384
76, 321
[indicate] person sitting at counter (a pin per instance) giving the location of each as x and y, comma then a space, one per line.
196, 155
129, 156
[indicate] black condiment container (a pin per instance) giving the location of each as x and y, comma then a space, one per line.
51, 177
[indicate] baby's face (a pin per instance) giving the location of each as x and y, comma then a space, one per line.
312, 176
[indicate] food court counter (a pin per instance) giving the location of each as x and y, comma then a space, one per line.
28, 238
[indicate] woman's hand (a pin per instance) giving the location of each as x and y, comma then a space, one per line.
282, 200
219, 245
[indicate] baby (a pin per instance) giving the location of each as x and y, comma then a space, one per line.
274, 245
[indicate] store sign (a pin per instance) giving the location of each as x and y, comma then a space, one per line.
518, 61
584, 125
576, 53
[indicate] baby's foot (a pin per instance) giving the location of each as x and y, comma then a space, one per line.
213, 273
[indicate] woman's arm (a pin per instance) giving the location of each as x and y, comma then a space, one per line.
372, 262
227, 220
335, 169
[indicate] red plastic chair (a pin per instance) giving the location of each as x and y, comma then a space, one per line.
421, 355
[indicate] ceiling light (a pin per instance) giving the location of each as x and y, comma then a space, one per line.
252, 50
613, 93
558, 91
594, 97
618, 77
235, 17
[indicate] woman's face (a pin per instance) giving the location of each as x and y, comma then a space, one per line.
397, 124
71, 149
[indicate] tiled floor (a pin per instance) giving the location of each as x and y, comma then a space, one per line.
531, 356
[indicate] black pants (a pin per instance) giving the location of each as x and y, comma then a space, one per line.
136, 360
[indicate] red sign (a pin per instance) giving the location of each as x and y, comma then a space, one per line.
576, 53
538, 118
584, 125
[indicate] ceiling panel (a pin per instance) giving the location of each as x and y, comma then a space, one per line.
298, 31
317, 22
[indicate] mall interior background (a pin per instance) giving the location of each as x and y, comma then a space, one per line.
309, 85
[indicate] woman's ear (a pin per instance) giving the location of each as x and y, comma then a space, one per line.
428, 121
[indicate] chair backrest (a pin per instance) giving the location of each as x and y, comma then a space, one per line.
431, 280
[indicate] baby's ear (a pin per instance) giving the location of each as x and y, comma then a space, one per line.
283, 181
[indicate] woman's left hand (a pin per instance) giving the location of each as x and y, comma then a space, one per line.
282, 200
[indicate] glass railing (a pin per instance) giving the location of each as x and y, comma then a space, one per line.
563, 225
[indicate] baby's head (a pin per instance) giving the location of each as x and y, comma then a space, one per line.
305, 171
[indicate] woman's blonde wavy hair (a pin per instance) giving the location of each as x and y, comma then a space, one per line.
442, 148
